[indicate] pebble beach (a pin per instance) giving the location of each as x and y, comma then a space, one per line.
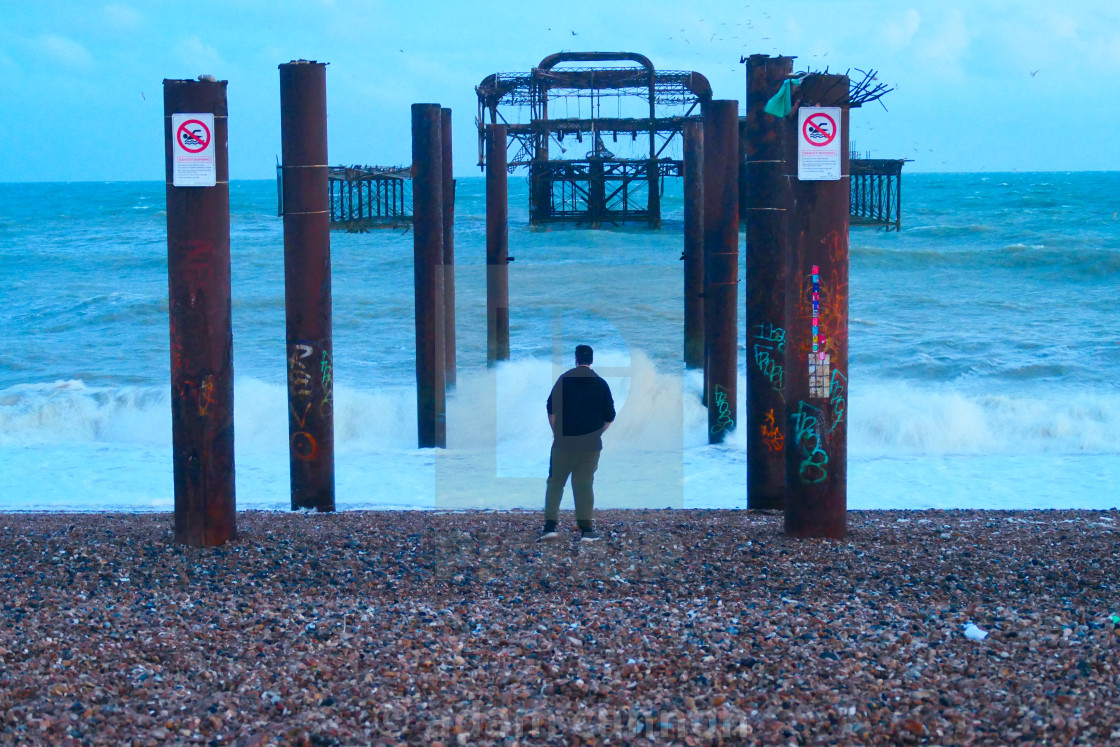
686, 627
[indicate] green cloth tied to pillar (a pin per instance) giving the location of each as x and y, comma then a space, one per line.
781, 103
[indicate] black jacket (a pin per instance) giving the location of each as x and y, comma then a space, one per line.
582, 404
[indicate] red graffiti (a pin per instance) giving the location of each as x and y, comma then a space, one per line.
304, 446
771, 434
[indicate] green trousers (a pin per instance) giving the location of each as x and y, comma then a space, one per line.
581, 465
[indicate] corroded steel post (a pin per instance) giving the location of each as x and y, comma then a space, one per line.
693, 254
448, 249
427, 243
198, 274
767, 211
596, 193
816, 312
497, 246
653, 201
721, 264
307, 283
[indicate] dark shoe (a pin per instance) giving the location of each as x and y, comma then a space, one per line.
549, 532
589, 535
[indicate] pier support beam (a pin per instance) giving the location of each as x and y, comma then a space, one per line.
653, 202
307, 283
198, 274
766, 192
693, 254
449, 359
816, 312
497, 246
427, 242
721, 264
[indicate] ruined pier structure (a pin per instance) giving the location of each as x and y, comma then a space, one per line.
597, 133
797, 268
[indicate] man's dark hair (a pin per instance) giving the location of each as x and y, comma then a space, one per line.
584, 355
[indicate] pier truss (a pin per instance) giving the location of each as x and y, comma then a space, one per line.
365, 197
876, 192
560, 117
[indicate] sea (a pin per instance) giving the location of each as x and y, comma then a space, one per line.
984, 354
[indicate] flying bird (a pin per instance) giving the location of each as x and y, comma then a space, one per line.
574, 34
1034, 73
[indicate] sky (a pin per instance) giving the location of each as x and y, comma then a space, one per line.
981, 85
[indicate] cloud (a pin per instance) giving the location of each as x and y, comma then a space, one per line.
898, 32
122, 17
943, 50
202, 58
65, 52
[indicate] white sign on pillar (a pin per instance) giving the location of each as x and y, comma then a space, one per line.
818, 143
193, 163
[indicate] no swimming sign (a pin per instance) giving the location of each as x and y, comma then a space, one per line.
818, 143
194, 163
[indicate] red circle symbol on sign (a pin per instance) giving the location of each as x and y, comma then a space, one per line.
193, 136
819, 129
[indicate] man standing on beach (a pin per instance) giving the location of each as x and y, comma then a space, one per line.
580, 409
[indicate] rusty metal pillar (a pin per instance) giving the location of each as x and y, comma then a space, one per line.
448, 249
816, 312
653, 203
198, 274
596, 192
307, 283
497, 246
721, 264
427, 243
767, 212
693, 254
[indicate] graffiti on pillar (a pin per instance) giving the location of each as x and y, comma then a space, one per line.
300, 382
326, 369
823, 302
771, 433
808, 439
769, 345
838, 398
725, 420
206, 395
304, 446
816, 311
299, 377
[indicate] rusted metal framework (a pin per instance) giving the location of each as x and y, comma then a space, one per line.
876, 192
623, 95
365, 197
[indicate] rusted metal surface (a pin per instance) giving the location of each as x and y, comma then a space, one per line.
198, 274
591, 182
816, 354
497, 246
766, 193
449, 360
693, 254
721, 264
876, 192
427, 242
307, 284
